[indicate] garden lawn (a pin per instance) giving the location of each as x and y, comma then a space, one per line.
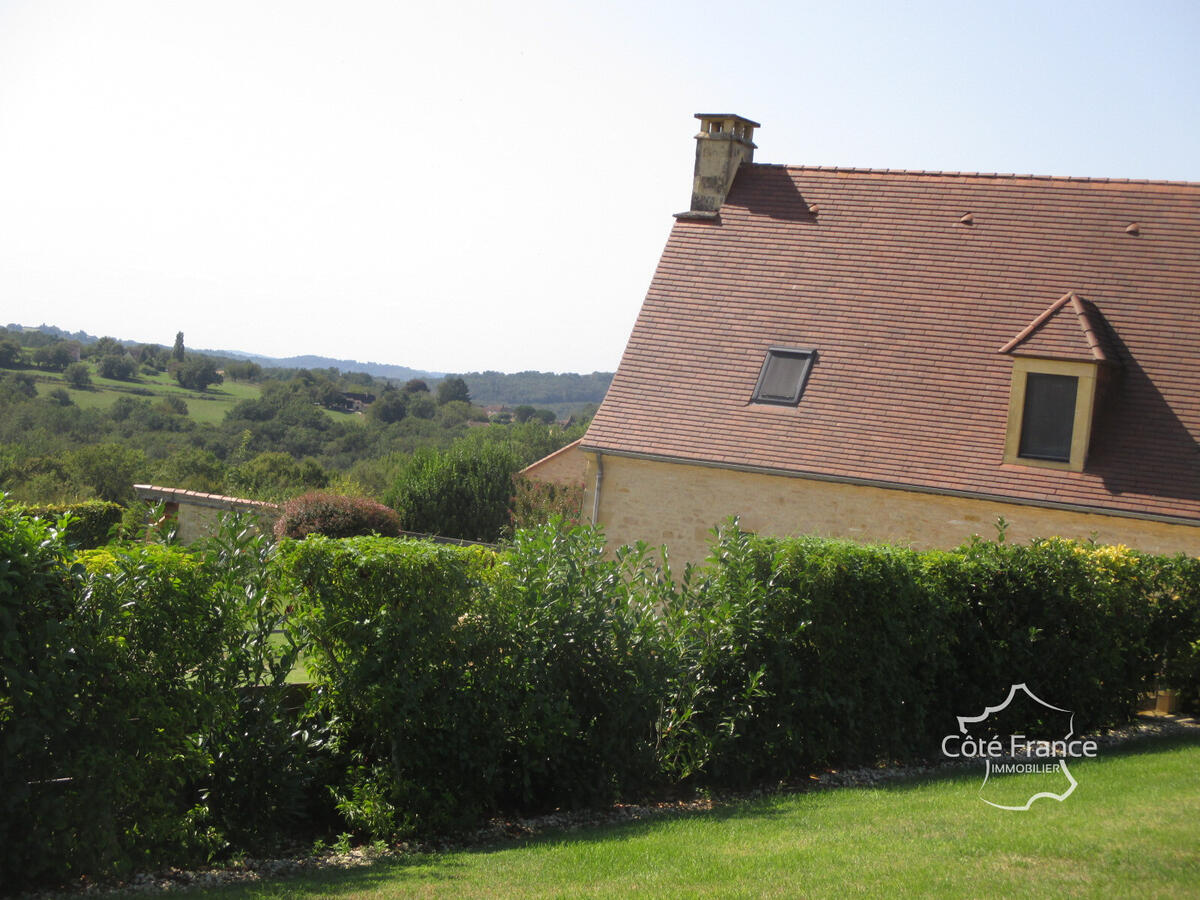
1131, 829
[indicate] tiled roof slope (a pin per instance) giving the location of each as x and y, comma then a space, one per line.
907, 306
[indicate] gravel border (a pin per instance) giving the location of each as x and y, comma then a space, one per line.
512, 830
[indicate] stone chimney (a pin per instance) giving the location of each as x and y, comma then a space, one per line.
725, 141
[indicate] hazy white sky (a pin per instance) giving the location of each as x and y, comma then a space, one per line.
479, 185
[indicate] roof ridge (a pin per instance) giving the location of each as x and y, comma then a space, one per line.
952, 174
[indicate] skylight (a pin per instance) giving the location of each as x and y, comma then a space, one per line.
784, 372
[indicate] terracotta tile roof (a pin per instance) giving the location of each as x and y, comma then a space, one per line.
154, 493
1052, 335
907, 283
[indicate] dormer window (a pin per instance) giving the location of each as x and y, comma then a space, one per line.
1057, 364
783, 375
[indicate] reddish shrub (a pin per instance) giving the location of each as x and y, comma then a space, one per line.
335, 516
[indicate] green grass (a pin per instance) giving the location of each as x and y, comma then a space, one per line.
339, 416
1131, 829
208, 406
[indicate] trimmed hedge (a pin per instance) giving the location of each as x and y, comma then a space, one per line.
137, 715
92, 521
145, 719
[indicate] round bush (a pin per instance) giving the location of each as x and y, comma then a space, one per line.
335, 516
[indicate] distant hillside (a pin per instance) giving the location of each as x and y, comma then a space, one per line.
82, 336
380, 370
561, 392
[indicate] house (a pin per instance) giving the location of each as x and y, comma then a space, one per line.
356, 401
909, 357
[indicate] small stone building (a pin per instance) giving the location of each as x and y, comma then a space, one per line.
197, 514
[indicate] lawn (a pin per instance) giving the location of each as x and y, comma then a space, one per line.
1132, 828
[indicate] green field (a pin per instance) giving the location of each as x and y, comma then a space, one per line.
207, 406
1131, 829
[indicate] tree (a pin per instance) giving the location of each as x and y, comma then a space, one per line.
422, 407
388, 408
78, 375
17, 386
416, 386
59, 396
274, 475
243, 371
110, 470
453, 389
178, 353
453, 413
106, 346
198, 373
53, 357
118, 366
10, 354
192, 468
524, 412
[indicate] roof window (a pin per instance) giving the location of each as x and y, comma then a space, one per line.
784, 372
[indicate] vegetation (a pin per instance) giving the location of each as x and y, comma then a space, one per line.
86, 525
147, 716
335, 516
82, 417
463, 492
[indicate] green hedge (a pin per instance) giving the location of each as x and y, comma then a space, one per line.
91, 523
132, 729
144, 716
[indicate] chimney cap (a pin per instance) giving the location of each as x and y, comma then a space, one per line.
734, 116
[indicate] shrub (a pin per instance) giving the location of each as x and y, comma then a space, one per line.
392, 655
145, 717
462, 492
59, 396
335, 516
577, 677
856, 654
536, 502
40, 648
1174, 639
1070, 620
142, 706
90, 523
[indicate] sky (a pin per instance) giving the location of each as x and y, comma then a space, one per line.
486, 185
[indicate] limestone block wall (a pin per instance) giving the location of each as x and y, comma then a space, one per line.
677, 505
564, 466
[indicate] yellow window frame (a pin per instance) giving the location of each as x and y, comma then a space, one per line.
1085, 402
